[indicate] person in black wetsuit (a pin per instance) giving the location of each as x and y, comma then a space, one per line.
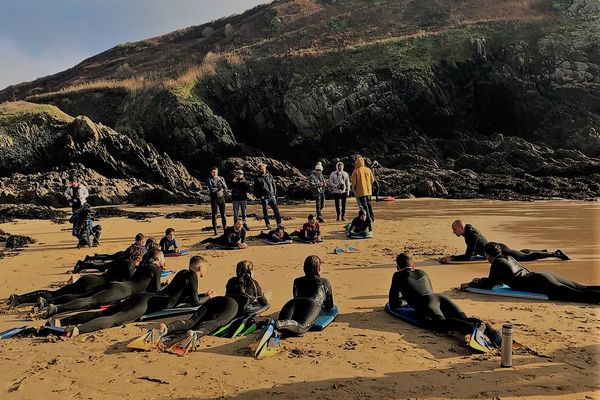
85, 285
361, 226
311, 294
277, 235
412, 286
145, 278
506, 270
244, 289
234, 236
182, 289
476, 241
102, 262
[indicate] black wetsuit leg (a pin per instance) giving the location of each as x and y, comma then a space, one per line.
83, 285
214, 313
107, 257
297, 316
557, 287
115, 292
445, 315
523, 256
119, 314
99, 266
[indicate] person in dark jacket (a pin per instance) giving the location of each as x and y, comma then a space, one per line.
266, 190
317, 184
475, 242
239, 196
506, 270
217, 188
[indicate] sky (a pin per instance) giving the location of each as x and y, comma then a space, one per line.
43, 37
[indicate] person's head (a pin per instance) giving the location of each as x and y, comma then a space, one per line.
214, 171
238, 224
279, 231
311, 219
157, 256
360, 162
319, 168
339, 166
170, 233
362, 214
403, 261
492, 250
198, 264
239, 174
262, 167
74, 180
312, 266
151, 243
139, 239
243, 272
458, 228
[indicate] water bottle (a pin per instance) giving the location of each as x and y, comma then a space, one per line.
507, 344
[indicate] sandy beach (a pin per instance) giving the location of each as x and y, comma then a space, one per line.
365, 353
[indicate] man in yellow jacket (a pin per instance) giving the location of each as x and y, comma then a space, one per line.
362, 185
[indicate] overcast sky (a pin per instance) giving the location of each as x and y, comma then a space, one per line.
42, 37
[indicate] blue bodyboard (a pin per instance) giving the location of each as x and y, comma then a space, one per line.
506, 291
408, 315
325, 318
181, 253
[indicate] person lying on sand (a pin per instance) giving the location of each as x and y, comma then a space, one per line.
168, 244
476, 241
413, 287
145, 278
277, 235
102, 262
506, 270
360, 227
234, 236
310, 232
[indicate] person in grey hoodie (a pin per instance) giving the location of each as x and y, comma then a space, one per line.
316, 182
339, 181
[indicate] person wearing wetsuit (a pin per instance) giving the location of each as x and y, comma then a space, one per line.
168, 244
145, 278
506, 270
413, 287
216, 188
234, 236
311, 294
277, 235
244, 289
311, 231
475, 242
135, 252
85, 285
182, 289
361, 226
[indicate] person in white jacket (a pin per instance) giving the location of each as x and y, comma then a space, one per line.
76, 194
340, 186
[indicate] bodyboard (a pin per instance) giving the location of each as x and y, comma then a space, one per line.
506, 291
325, 318
181, 253
221, 247
164, 274
12, 332
408, 315
267, 241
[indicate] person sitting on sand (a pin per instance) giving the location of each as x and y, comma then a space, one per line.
412, 286
506, 270
476, 241
360, 227
84, 286
145, 278
76, 194
234, 236
168, 244
102, 262
244, 289
310, 232
83, 227
312, 293
183, 289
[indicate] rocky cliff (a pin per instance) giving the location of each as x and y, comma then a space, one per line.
455, 99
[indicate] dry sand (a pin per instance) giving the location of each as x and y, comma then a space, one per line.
365, 354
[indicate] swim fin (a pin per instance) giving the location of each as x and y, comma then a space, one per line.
250, 329
148, 341
271, 348
263, 336
477, 341
9, 333
338, 250
185, 345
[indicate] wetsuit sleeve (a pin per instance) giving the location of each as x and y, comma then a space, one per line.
328, 304
260, 296
395, 294
471, 241
243, 236
496, 277
154, 285
193, 297
295, 288
163, 244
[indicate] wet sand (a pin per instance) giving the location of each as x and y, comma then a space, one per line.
365, 354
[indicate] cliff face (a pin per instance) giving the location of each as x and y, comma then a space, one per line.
457, 99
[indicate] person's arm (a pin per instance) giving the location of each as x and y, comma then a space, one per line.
273, 185
471, 241
370, 225
193, 297
260, 296
317, 229
68, 194
243, 236
395, 294
83, 193
328, 304
154, 285
224, 183
346, 178
174, 243
295, 288
353, 181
